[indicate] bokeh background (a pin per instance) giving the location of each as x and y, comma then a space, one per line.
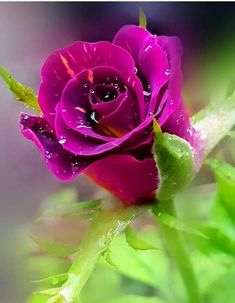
28, 33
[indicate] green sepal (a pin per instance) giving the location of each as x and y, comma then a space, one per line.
22, 93
142, 19
174, 159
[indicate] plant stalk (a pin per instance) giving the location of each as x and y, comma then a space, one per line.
180, 257
107, 225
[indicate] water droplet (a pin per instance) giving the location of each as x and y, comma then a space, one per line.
62, 140
146, 93
167, 72
93, 117
154, 36
177, 121
85, 85
171, 102
189, 131
147, 48
48, 154
25, 117
151, 113
135, 70
74, 167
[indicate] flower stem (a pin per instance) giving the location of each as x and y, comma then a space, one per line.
107, 225
176, 247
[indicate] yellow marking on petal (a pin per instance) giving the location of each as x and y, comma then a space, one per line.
90, 76
80, 109
70, 71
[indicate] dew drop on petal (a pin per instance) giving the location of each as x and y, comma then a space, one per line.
93, 117
171, 102
74, 167
167, 72
48, 154
146, 93
135, 70
62, 140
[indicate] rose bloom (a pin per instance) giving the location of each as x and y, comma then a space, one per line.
98, 102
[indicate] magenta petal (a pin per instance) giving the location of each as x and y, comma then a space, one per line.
75, 142
64, 165
63, 64
174, 119
131, 180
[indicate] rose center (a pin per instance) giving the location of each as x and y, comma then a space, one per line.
105, 93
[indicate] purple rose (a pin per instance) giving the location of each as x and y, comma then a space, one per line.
98, 102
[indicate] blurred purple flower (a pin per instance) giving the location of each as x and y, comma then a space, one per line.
98, 102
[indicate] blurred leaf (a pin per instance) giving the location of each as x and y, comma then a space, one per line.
107, 256
43, 266
142, 19
232, 134
55, 280
37, 298
175, 163
48, 292
225, 177
135, 299
175, 223
55, 248
136, 242
64, 204
219, 239
107, 281
23, 93
222, 288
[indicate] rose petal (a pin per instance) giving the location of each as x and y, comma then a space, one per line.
64, 165
63, 64
149, 58
131, 180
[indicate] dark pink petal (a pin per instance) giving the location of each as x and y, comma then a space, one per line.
63, 64
64, 165
174, 119
129, 179
149, 58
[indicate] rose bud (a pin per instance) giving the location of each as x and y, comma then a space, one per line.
98, 103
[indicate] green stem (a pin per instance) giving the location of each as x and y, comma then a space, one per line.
175, 245
214, 122
107, 225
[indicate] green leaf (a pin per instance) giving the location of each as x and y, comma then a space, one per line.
55, 248
219, 239
135, 299
37, 298
136, 242
225, 177
148, 267
23, 93
142, 19
64, 204
232, 134
175, 223
55, 280
174, 159
48, 292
